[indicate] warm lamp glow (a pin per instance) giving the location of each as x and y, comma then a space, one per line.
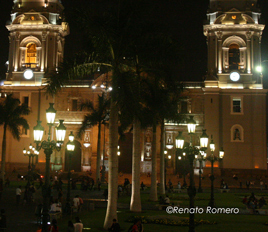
51, 114
204, 140
38, 132
212, 145
60, 132
179, 140
71, 137
70, 146
191, 124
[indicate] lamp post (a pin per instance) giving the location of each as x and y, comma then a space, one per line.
167, 157
201, 158
212, 159
31, 153
183, 159
48, 146
191, 152
70, 148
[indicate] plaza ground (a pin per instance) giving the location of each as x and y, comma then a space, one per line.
22, 218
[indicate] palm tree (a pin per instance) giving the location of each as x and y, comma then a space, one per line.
161, 95
114, 34
95, 117
11, 112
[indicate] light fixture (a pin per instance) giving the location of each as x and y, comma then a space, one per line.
221, 153
191, 124
179, 140
60, 132
70, 146
212, 145
71, 137
169, 157
38, 132
50, 114
204, 140
86, 145
259, 69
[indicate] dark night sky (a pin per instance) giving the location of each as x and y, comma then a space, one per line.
184, 17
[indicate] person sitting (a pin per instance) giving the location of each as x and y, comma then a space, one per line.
78, 225
53, 207
115, 226
167, 200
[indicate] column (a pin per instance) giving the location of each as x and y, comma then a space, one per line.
225, 58
219, 39
16, 52
44, 37
248, 35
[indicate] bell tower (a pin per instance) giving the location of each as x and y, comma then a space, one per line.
36, 41
233, 32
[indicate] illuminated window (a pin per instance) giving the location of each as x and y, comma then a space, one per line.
31, 55
236, 105
234, 57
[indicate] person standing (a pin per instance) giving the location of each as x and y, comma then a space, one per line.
76, 203
78, 225
18, 195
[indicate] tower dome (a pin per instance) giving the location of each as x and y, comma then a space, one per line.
43, 7
51, 9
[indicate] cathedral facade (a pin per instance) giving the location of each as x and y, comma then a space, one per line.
230, 103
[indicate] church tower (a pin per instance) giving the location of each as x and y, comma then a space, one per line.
233, 34
36, 41
234, 98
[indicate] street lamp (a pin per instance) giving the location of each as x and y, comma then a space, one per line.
191, 153
31, 153
183, 159
118, 151
212, 159
201, 156
70, 148
48, 146
166, 164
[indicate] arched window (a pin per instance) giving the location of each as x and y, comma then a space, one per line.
234, 57
31, 55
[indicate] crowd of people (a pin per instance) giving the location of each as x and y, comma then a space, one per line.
253, 203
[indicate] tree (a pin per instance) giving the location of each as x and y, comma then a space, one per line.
115, 33
11, 112
95, 117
